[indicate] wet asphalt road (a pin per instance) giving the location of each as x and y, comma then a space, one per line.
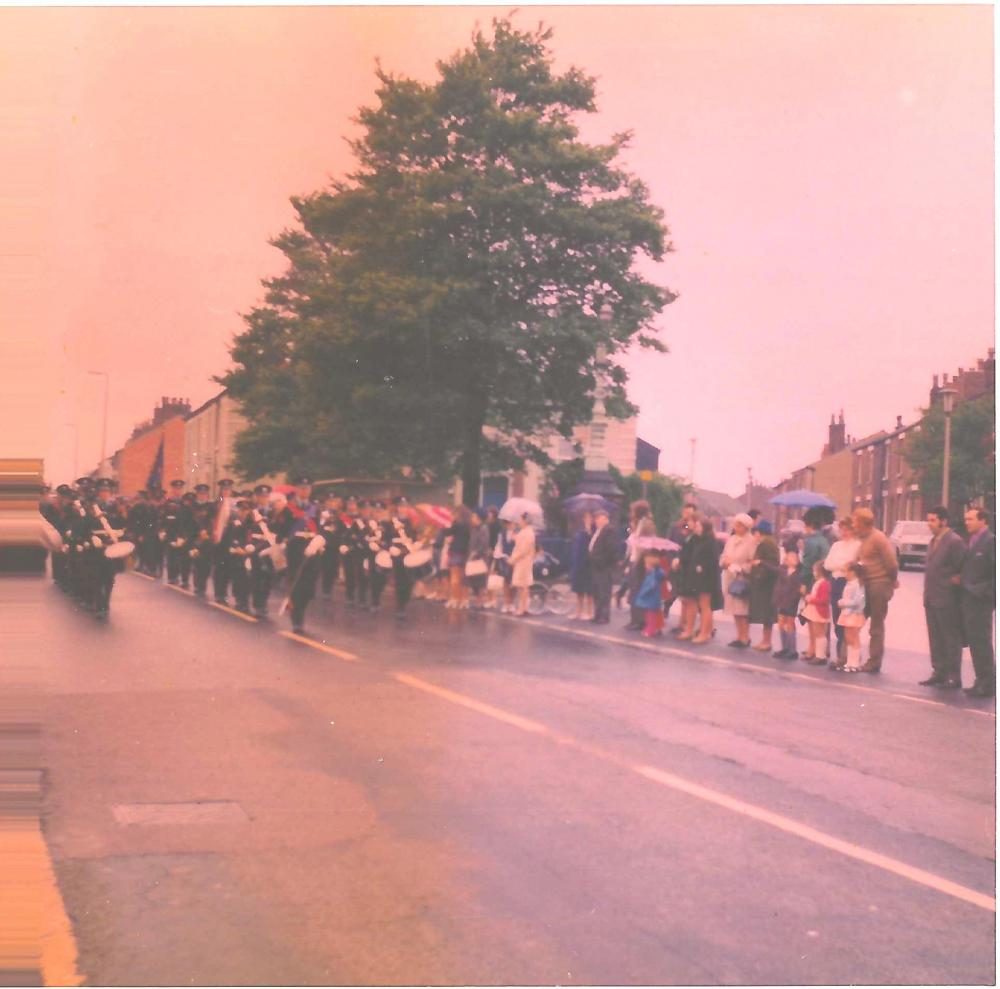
473, 799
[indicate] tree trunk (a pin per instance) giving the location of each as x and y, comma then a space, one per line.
472, 461
472, 469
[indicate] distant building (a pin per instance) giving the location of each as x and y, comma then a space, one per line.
136, 460
757, 496
829, 475
622, 445
210, 442
881, 477
718, 507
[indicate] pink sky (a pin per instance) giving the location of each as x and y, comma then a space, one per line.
827, 174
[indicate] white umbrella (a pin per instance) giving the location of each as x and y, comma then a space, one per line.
514, 508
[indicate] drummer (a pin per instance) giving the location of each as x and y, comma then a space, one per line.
402, 539
108, 525
379, 562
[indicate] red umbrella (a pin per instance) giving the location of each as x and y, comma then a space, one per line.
436, 514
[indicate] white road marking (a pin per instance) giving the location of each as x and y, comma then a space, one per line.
719, 799
760, 814
322, 646
847, 848
145, 576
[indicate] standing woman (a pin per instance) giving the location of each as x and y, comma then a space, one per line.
459, 533
682, 578
706, 578
763, 576
642, 527
502, 552
579, 569
841, 556
736, 559
479, 557
522, 561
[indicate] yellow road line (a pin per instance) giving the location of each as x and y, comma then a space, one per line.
181, 590
145, 576
321, 646
719, 799
35, 932
847, 848
232, 611
525, 724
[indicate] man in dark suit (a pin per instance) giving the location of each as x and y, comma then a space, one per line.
978, 596
942, 604
603, 553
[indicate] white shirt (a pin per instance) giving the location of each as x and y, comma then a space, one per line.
842, 554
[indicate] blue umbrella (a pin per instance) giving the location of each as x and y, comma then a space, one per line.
587, 503
802, 499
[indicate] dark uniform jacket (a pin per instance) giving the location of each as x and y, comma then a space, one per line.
945, 559
604, 552
979, 570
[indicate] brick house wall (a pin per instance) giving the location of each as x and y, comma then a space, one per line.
135, 460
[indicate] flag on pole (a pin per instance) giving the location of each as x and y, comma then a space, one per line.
223, 510
155, 479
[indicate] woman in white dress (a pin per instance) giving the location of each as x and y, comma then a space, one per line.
736, 560
522, 561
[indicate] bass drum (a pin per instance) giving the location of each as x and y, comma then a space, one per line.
383, 560
420, 563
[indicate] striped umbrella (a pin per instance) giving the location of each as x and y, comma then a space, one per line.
436, 514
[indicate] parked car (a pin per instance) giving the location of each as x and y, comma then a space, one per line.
910, 540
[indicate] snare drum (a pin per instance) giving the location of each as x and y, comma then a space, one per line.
119, 550
420, 563
383, 560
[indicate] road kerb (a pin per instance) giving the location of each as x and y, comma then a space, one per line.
749, 667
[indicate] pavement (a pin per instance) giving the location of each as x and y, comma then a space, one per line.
470, 798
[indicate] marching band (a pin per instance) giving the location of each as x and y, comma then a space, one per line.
244, 541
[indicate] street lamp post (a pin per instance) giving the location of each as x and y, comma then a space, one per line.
948, 404
596, 476
104, 427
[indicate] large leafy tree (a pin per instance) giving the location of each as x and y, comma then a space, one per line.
664, 492
455, 281
973, 454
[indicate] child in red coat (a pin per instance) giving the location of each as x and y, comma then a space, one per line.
817, 613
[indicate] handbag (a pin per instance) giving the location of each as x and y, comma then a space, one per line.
476, 568
495, 582
739, 587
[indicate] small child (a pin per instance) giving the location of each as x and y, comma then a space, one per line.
852, 618
787, 592
650, 596
817, 613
